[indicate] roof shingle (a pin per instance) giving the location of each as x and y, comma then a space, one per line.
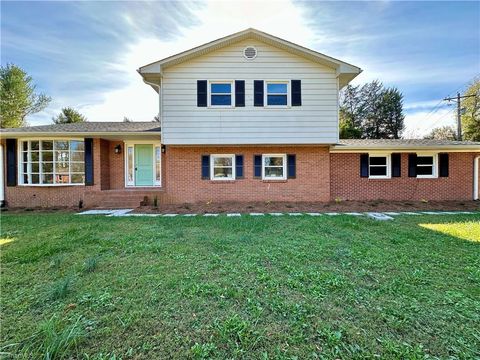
90, 127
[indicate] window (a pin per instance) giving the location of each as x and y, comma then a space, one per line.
52, 162
222, 167
379, 166
426, 166
130, 176
158, 168
276, 93
221, 94
274, 167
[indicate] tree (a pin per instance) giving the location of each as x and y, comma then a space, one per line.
442, 133
471, 113
18, 98
126, 119
371, 111
69, 115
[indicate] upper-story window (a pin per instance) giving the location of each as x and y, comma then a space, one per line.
221, 93
276, 93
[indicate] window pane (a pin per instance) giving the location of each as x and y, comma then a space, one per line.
130, 164
35, 145
222, 161
61, 156
77, 156
61, 145
62, 179
25, 145
221, 88
427, 160
35, 179
47, 155
378, 160
274, 172
47, 145
277, 88
34, 156
77, 145
78, 178
221, 100
158, 155
25, 156
378, 171
277, 99
77, 167
47, 178
25, 167
47, 167
35, 167
25, 178
424, 170
222, 172
273, 160
61, 167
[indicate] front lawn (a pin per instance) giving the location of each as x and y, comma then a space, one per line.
248, 287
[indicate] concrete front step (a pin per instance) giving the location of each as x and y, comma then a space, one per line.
121, 198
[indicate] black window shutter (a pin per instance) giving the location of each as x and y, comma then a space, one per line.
239, 93
412, 165
257, 166
205, 167
11, 162
202, 93
296, 93
291, 166
396, 165
443, 164
257, 92
364, 165
88, 161
239, 166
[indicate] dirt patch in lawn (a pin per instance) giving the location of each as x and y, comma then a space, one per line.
343, 206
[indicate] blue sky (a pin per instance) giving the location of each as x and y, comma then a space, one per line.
84, 54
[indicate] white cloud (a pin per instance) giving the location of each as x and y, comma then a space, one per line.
420, 123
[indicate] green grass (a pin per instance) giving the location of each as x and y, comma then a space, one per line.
250, 287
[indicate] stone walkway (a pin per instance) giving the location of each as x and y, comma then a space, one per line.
387, 215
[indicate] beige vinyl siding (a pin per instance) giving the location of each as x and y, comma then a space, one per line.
315, 122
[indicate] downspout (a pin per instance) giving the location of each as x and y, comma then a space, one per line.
476, 165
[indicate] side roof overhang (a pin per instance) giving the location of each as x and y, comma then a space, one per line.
409, 145
151, 73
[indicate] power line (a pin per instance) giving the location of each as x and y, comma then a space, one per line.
458, 99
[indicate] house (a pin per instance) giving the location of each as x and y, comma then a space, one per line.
248, 117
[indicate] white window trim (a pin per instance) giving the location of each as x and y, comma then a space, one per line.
265, 94
20, 161
284, 177
388, 164
434, 167
232, 93
126, 145
212, 170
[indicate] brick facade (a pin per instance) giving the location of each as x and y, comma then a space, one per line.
348, 185
320, 176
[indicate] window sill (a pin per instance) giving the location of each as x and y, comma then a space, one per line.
379, 178
223, 181
274, 181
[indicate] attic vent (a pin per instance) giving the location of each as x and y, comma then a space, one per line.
250, 53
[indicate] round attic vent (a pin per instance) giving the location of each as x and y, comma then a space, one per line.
250, 52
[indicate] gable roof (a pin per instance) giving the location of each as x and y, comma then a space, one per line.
345, 71
358, 145
86, 128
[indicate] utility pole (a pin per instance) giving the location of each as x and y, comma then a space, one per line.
458, 99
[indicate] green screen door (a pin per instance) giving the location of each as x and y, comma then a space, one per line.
144, 165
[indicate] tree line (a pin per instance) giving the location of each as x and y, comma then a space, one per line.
368, 111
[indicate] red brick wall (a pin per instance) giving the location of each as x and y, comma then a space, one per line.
116, 164
348, 185
183, 180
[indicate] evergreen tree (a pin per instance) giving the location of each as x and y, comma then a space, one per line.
69, 115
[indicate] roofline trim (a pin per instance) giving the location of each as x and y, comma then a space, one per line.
335, 149
74, 133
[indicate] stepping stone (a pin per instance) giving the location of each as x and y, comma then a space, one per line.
234, 214
121, 212
410, 213
389, 213
379, 216
257, 214
465, 212
430, 212
150, 215
275, 214
170, 215
354, 214
449, 212
96, 212
209, 214
189, 215
295, 214
314, 214
332, 214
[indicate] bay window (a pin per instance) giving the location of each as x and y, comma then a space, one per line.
52, 162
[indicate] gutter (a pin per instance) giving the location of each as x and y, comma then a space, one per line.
15, 134
450, 148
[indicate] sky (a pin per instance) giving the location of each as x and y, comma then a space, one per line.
84, 54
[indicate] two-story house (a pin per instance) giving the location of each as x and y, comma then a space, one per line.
248, 117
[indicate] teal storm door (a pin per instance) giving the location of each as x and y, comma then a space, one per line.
143, 165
